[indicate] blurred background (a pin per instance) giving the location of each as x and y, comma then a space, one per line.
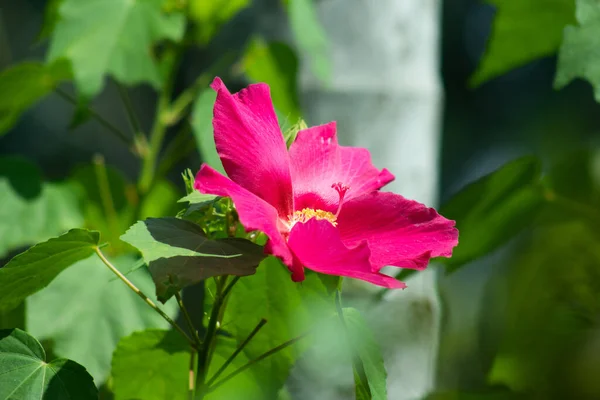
443, 93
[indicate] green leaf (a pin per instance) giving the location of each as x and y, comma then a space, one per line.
367, 349
25, 84
37, 267
198, 198
31, 210
578, 56
202, 115
277, 65
290, 308
179, 254
209, 16
310, 36
162, 355
494, 209
113, 37
27, 375
523, 31
87, 324
291, 134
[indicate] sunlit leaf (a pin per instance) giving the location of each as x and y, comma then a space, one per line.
26, 374
179, 254
494, 209
113, 37
523, 31
98, 311
25, 84
578, 56
367, 349
209, 16
32, 211
203, 129
290, 309
277, 65
310, 36
163, 355
37, 267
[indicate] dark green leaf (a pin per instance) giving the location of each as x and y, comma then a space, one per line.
37, 267
203, 130
162, 355
493, 209
310, 36
98, 311
179, 254
578, 56
25, 373
367, 349
25, 84
523, 31
113, 37
277, 65
14, 318
209, 16
290, 309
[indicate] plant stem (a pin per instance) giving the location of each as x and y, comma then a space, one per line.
188, 320
159, 127
103, 121
177, 149
143, 296
106, 195
256, 360
191, 385
138, 134
360, 376
236, 352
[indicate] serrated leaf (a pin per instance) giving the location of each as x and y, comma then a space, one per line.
197, 198
27, 375
179, 254
25, 84
290, 308
202, 115
32, 211
578, 56
34, 269
276, 64
367, 349
163, 355
87, 324
523, 31
113, 37
493, 209
310, 36
209, 16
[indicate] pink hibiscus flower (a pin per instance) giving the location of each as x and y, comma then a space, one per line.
319, 203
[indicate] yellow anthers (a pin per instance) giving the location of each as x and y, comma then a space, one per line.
308, 213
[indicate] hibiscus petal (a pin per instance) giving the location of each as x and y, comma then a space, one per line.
250, 144
399, 232
318, 246
255, 213
317, 162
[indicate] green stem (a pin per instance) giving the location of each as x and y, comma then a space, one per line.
209, 338
191, 384
236, 352
188, 320
256, 360
360, 377
142, 295
101, 120
106, 195
159, 127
